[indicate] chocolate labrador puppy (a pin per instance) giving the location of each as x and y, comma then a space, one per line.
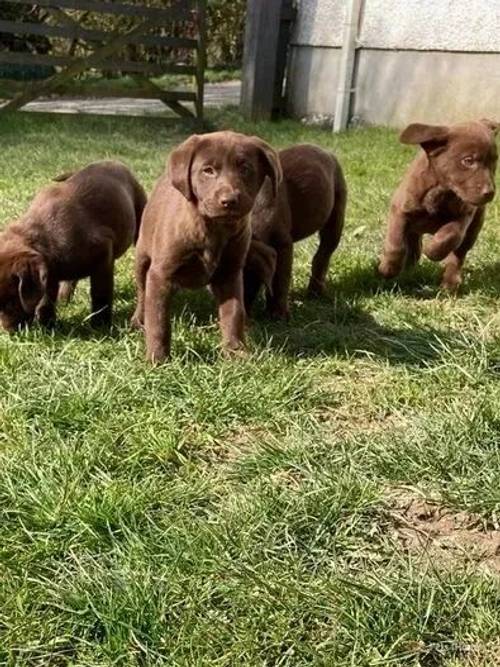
71, 230
196, 230
444, 193
312, 198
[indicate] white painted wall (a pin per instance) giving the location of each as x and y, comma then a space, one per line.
427, 60
443, 25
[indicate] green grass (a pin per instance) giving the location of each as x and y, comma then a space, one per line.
211, 512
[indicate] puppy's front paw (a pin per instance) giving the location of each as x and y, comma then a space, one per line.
452, 283
279, 313
387, 268
46, 316
235, 349
157, 355
137, 322
101, 319
315, 289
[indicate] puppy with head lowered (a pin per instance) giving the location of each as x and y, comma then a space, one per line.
72, 229
195, 232
444, 193
312, 198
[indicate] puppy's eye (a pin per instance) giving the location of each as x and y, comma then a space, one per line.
208, 170
246, 168
468, 161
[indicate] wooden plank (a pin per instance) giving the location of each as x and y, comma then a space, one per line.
95, 60
107, 45
179, 109
86, 90
75, 31
201, 58
178, 12
76, 67
144, 93
156, 92
260, 58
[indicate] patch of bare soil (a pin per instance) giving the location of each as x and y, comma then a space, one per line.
444, 536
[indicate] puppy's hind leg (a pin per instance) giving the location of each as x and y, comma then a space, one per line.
277, 298
66, 290
329, 236
414, 250
101, 290
142, 264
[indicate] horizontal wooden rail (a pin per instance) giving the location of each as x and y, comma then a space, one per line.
14, 58
87, 90
140, 93
77, 32
103, 51
177, 12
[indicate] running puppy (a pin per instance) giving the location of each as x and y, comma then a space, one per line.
73, 229
444, 193
196, 230
312, 198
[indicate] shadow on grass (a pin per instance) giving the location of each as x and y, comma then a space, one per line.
197, 306
420, 282
349, 331
334, 325
484, 279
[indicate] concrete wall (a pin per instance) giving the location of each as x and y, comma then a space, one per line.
428, 60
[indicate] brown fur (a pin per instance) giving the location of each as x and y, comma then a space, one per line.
444, 193
71, 230
196, 231
312, 198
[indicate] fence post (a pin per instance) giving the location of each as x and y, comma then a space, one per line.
201, 59
264, 59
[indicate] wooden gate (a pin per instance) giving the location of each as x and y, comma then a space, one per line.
175, 30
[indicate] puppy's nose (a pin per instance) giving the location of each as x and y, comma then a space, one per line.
230, 199
488, 192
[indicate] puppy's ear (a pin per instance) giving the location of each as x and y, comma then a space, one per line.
261, 260
492, 125
64, 177
432, 138
265, 198
32, 275
272, 165
180, 166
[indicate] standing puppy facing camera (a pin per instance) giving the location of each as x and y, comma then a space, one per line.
196, 231
444, 193
73, 229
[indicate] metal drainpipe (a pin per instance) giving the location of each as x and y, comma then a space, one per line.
346, 70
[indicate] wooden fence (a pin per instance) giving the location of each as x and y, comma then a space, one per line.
104, 50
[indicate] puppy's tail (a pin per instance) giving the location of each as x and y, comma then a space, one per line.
63, 177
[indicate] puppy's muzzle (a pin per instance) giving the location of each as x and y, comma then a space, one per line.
230, 201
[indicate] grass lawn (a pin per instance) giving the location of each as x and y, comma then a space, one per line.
332, 500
